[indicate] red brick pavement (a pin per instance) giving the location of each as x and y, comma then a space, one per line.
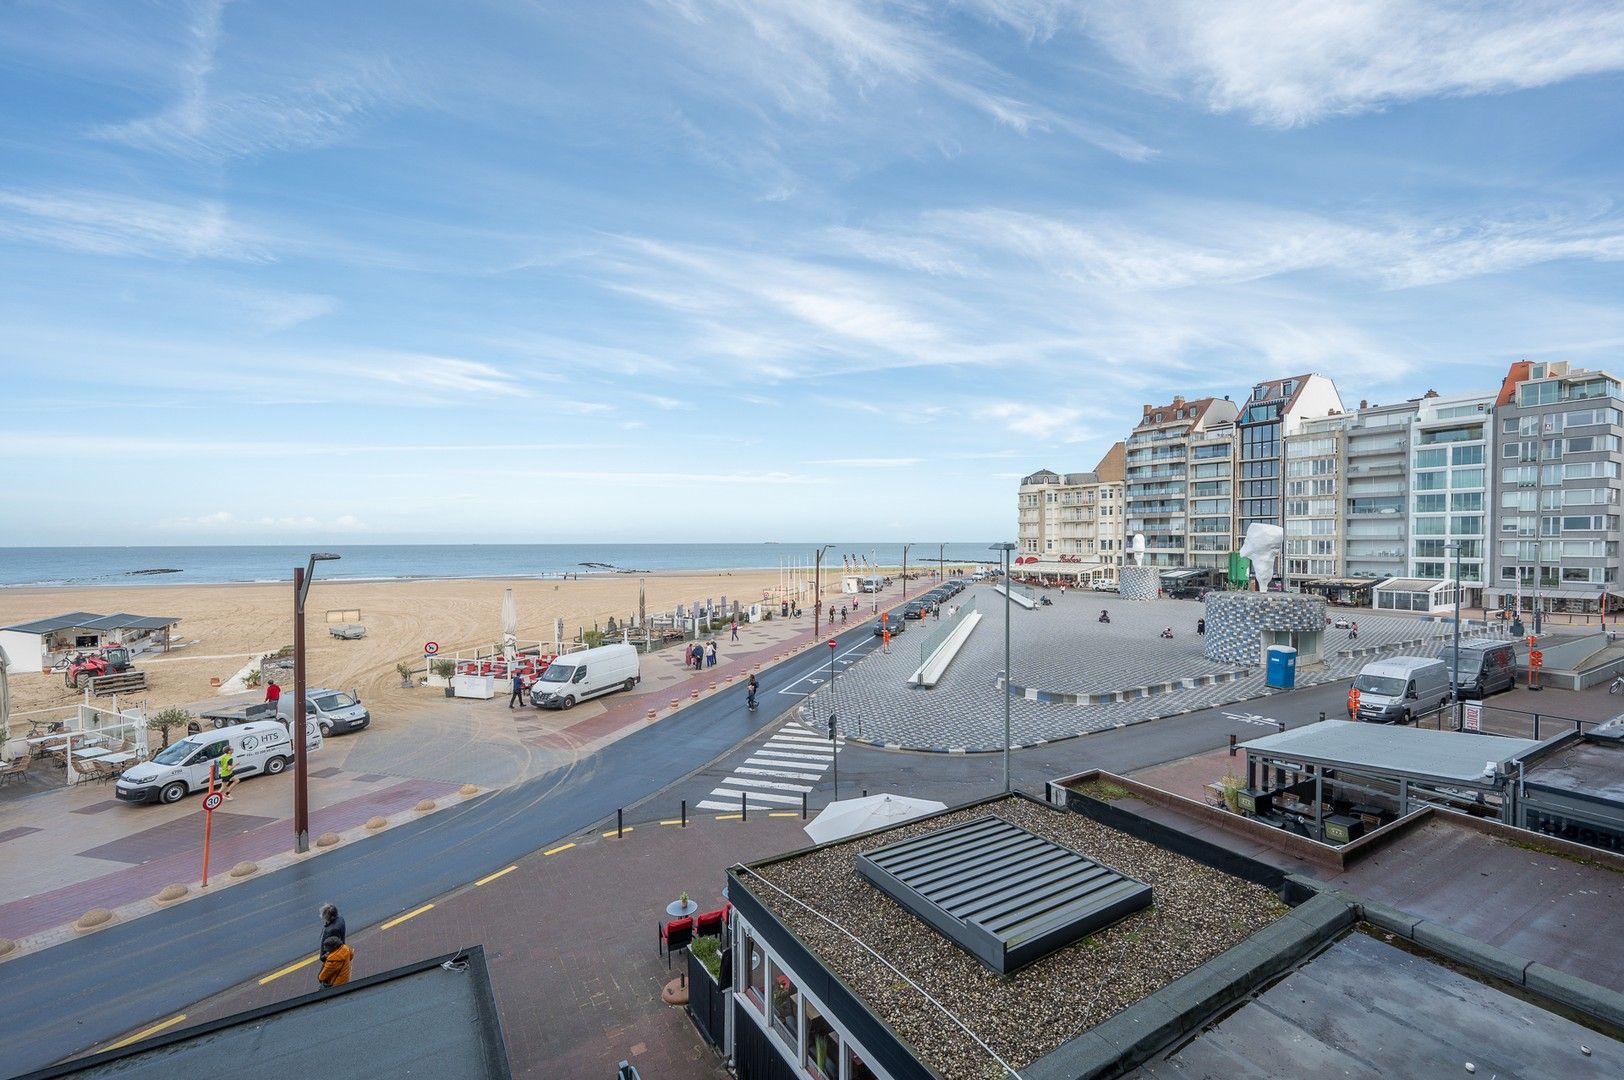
32, 914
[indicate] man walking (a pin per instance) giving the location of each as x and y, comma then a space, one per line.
273, 692
735, 630
710, 655
518, 689
335, 963
332, 928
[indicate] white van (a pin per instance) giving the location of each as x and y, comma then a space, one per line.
1395, 690
334, 711
586, 674
260, 746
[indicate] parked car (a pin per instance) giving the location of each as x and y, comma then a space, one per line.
1403, 687
896, 626
590, 673
1343, 623
914, 610
262, 746
1104, 586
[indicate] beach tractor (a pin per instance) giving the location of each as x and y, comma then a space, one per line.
110, 660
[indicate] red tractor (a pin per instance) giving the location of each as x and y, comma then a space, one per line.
111, 660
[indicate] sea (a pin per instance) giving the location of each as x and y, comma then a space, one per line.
81, 566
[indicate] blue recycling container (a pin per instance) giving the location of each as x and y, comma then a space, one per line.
1282, 667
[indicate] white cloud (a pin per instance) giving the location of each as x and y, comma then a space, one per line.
1037, 421
869, 462
1289, 62
226, 521
99, 223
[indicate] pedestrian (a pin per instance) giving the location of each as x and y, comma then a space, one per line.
227, 766
335, 964
710, 655
332, 928
1201, 626
518, 688
831, 614
688, 657
735, 630
1353, 631
885, 638
273, 692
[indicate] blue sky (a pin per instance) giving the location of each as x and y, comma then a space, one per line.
707, 270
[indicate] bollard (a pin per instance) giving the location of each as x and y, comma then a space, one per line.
1322, 716
865, 793
1232, 744
803, 806
620, 824
685, 813
744, 806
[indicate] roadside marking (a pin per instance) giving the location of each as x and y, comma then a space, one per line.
783, 813
1254, 718
758, 796
728, 817
149, 1032
488, 878
398, 919
612, 832
671, 821
816, 673
777, 772
289, 970
770, 785
561, 847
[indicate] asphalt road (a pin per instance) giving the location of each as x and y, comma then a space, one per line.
77, 996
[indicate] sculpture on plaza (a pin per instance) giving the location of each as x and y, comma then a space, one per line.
1263, 547
1139, 549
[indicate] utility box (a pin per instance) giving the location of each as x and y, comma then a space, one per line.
474, 686
1282, 667
1254, 801
1343, 829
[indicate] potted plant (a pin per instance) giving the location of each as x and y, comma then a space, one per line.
405, 671
170, 718
440, 672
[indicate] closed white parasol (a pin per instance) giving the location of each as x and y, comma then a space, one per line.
510, 625
849, 817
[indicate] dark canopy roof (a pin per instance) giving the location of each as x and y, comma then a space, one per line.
86, 620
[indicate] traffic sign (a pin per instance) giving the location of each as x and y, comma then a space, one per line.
1471, 716
831, 643
1536, 658
430, 648
1532, 640
212, 800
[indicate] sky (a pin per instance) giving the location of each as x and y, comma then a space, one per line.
718, 270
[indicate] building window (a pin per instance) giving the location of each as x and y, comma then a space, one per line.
822, 1046
755, 988
857, 1068
785, 1012
1466, 478
1429, 481
1431, 459
1429, 504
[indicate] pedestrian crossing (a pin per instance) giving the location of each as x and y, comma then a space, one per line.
777, 773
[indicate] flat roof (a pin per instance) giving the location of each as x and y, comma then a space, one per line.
87, 620
1405, 584
1004, 894
437, 1017
1351, 1010
1584, 767
1451, 755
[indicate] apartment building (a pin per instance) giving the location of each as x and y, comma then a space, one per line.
1376, 490
1273, 411
1071, 524
1451, 448
1315, 464
1179, 482
1556, 523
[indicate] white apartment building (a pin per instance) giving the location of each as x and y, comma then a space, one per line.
1179, 468
1376, 490
1070, 525
1557, 516
1314, 497
1451, 455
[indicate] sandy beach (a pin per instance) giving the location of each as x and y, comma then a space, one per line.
223, 627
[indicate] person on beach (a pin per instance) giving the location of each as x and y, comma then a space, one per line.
273, 692
332, 928
227, 766
518, 689
335, 963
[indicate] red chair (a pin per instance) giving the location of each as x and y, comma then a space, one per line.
674, 935
709, 923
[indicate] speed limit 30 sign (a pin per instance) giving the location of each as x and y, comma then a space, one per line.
212, 800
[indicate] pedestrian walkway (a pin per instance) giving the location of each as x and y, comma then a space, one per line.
783, 770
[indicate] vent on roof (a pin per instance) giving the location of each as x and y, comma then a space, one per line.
1003, 894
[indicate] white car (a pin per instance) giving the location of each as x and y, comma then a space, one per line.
1104, 586
1343, 624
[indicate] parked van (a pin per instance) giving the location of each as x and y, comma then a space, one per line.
261, 746
1395, 690
1484, 667
590, 673
334, 711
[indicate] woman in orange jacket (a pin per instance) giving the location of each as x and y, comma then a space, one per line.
335, 967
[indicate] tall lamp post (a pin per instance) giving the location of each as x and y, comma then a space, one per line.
1004, 550
1454, 667
302, 576
905, 548
833, 749
817, 589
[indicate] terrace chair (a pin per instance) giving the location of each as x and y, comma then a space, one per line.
674, 935
88, 770
15, 769
709, 923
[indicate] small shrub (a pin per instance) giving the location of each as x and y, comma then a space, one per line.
709, 951
592, 638
171, 718
1230, 785
252, 678
443, 668
405, 671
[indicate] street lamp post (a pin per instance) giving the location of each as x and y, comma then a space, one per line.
905, 548
1004, 549
1454, 667
834, 749
302, 576
817, 589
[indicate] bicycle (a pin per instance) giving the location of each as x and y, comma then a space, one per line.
1617, 685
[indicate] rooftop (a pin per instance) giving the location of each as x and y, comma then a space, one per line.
1198, 913
1586, 767
1402, 751
85, 620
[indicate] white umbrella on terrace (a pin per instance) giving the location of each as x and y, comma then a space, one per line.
848, 817
510, 625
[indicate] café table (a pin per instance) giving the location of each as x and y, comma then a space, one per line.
121, 758
91, 753
678, 910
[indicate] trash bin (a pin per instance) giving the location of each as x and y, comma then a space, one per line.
1282, 667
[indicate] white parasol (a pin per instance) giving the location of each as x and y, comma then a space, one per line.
852, 816
510, 625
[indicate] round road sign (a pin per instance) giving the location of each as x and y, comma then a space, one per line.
431, 647
212, 800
